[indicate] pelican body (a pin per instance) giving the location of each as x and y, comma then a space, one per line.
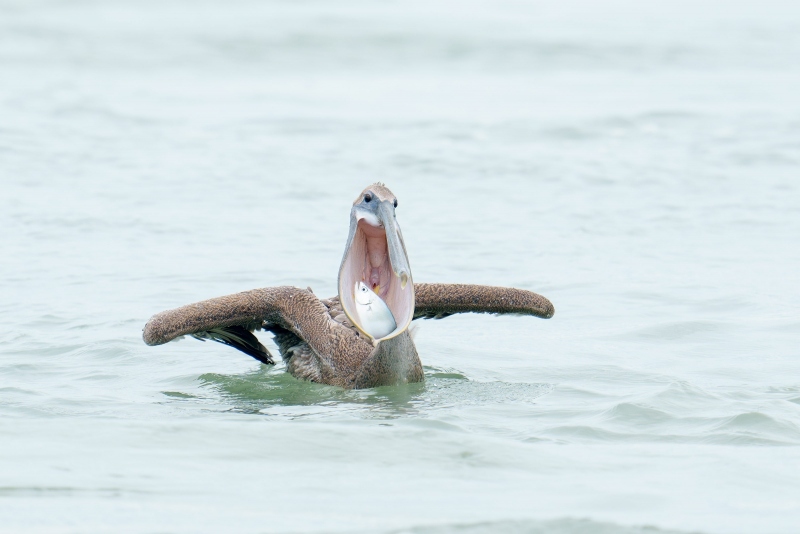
358, 339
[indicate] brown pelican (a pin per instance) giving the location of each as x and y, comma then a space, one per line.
327, 340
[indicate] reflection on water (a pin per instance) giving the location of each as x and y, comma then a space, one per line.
266, 391
271, 391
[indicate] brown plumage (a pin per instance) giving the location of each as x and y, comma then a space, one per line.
317, 339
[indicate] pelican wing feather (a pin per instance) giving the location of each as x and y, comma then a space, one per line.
232, 319
436, 301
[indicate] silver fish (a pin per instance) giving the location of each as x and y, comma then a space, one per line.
373, 314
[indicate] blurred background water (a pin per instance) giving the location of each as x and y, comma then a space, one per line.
637, 163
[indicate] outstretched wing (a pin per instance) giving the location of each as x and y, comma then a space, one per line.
435, 301
232, 319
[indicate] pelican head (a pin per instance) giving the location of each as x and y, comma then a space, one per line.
375, 255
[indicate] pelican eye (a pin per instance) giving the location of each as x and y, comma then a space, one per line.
395, 203
367, 197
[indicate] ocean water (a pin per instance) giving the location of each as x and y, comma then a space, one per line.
637, 163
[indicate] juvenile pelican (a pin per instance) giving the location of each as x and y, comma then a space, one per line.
337, 341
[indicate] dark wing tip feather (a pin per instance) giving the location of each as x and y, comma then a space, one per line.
239, 338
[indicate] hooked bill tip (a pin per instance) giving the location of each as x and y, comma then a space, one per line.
403, 280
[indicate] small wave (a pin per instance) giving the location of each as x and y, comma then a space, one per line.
680, 330
637, 414
532, 526
759, 425
65, 491
682, 395
681, 412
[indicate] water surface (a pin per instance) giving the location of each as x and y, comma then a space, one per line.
636, 164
